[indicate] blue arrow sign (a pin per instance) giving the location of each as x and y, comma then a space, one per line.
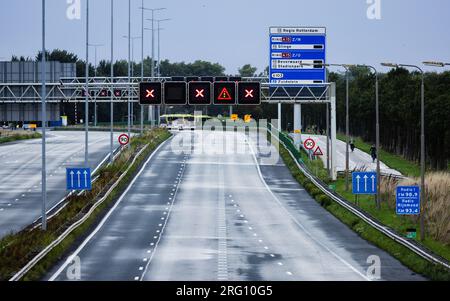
407, 200
364, 182
78, 179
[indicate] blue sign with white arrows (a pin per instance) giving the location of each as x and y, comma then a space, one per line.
78, 179
408, 200
364, 182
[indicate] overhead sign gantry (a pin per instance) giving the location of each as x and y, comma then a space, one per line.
293, 47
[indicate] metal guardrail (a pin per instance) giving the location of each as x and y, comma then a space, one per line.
411, 245
78, 223
55, 209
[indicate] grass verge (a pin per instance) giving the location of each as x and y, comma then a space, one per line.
19, 136
405, 167
18, 249
403, 254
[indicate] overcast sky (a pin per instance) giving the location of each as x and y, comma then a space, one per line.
235, 32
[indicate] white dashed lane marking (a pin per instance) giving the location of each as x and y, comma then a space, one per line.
260, 241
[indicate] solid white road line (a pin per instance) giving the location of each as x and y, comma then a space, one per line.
86, 241
297, 222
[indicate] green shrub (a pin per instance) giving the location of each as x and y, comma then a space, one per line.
324, 200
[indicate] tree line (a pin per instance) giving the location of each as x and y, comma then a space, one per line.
400, 109
399, 103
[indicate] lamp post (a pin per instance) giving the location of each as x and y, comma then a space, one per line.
142, 61
152, 68
436, 64
377, 133
44, 117
95, 75
132, 70
129, 66
422, 141
159, 45
111, 143
158, 74
86, 99
347, 118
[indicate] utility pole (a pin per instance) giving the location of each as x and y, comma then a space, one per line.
44, 121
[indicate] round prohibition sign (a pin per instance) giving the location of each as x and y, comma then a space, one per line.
309, 144
124, 139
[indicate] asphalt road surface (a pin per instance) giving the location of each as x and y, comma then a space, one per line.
358, 160
221, 216
20, 173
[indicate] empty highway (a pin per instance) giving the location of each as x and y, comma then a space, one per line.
200, 215
20, 173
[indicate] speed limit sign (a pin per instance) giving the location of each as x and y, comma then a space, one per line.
124, 139
309, 144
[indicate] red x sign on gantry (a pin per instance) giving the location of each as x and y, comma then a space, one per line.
200, 93
150, 93
249, 93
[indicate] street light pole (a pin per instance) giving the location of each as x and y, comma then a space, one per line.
159, 60
142, 62
86, 100
152, 68
422, 141
132, 70
159, 44
111, 105
129, 66
44, 120
347, 119
377, 134
95, 75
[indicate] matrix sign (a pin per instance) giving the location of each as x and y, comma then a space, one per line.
408, 200
199, 93
150, 93
249, 93
175, 93
224, 93
293, 47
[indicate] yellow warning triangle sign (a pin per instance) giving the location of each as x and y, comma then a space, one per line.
224, 95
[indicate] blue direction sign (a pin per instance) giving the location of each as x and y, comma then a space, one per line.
408, 200
78, 179
293, 47
364, 182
